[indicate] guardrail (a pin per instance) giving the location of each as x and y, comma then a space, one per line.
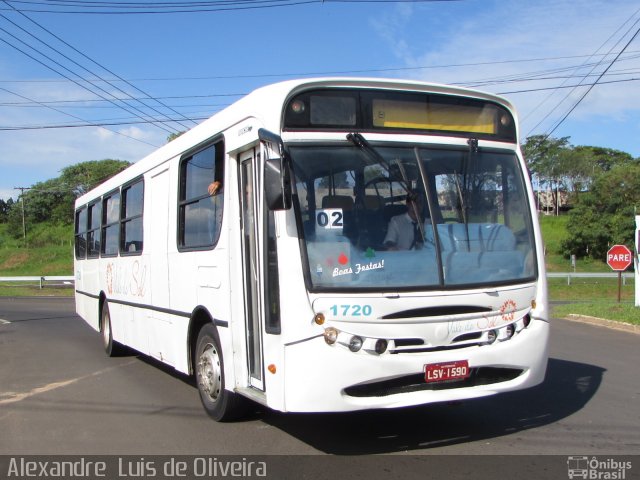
42, 281
67, 280
570, 275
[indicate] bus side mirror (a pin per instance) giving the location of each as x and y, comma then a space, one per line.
277, 177
277, 184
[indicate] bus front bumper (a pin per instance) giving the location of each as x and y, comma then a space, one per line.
330, 378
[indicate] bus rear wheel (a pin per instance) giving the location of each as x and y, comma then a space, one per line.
111, 347
220, 404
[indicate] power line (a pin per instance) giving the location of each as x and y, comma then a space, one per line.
590, 72
630, 56
108, 94
593, 84
103, 123
100, 123
225, 6
63, 74
88, 123
530, 90
154, 8
85, 103
95, 124
100, 66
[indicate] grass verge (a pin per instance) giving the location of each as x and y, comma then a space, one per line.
52, 260
620, 312
590, 290
34, 291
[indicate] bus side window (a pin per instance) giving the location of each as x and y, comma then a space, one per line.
132, 208
93, 232
81, 233
201, 208
110, 232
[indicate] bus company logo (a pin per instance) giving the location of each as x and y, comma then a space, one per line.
596, 469
508, 310
126, 279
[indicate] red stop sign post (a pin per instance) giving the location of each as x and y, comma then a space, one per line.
619, 258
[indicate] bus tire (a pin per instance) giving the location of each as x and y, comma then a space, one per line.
220, 404
111, 347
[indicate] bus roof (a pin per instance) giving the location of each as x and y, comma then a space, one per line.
266, 104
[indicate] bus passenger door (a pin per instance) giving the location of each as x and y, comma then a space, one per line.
250, 211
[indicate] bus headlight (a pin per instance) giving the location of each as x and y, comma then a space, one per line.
331, 335
506, 333
355, 344
381, 346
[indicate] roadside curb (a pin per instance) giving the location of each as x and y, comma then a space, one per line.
602, 322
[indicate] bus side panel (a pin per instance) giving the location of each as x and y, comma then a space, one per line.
159, 230
87, 282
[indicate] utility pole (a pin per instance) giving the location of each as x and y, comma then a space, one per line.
24, 225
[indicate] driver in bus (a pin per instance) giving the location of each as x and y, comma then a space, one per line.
406, 231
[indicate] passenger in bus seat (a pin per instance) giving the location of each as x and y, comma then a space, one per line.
405, 231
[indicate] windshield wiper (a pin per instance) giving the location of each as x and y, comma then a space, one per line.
473, 151
359, 141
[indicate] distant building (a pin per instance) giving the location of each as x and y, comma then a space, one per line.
546, 201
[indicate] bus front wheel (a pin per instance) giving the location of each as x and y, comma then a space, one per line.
219, 403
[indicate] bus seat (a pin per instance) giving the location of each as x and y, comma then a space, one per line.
487, 253
371, 224
472, 267
475, 237
344, 202
373, 202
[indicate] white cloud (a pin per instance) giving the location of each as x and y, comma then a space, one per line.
6, 194
38, 155
31, 156
389, 29
487, 31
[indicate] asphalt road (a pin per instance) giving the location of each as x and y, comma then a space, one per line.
60, 394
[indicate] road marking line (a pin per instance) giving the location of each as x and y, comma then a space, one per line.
18, 397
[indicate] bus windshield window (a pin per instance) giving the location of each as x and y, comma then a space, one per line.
421, 218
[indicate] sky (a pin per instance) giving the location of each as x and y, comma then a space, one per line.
195, 63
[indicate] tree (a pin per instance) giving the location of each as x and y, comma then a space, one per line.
605, 214
172, 136
547, 160
603, 159
4, 210
53, 200
82, 177
336, 180
14, 220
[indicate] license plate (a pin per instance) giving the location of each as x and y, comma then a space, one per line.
440, 372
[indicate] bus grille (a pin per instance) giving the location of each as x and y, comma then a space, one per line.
416, 382
416, 345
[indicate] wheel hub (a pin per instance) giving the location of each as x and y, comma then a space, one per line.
209, 377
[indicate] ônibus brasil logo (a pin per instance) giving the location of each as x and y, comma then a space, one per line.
597, 469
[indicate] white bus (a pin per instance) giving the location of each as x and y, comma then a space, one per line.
263, 250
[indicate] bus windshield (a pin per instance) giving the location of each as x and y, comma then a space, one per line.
411, 217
